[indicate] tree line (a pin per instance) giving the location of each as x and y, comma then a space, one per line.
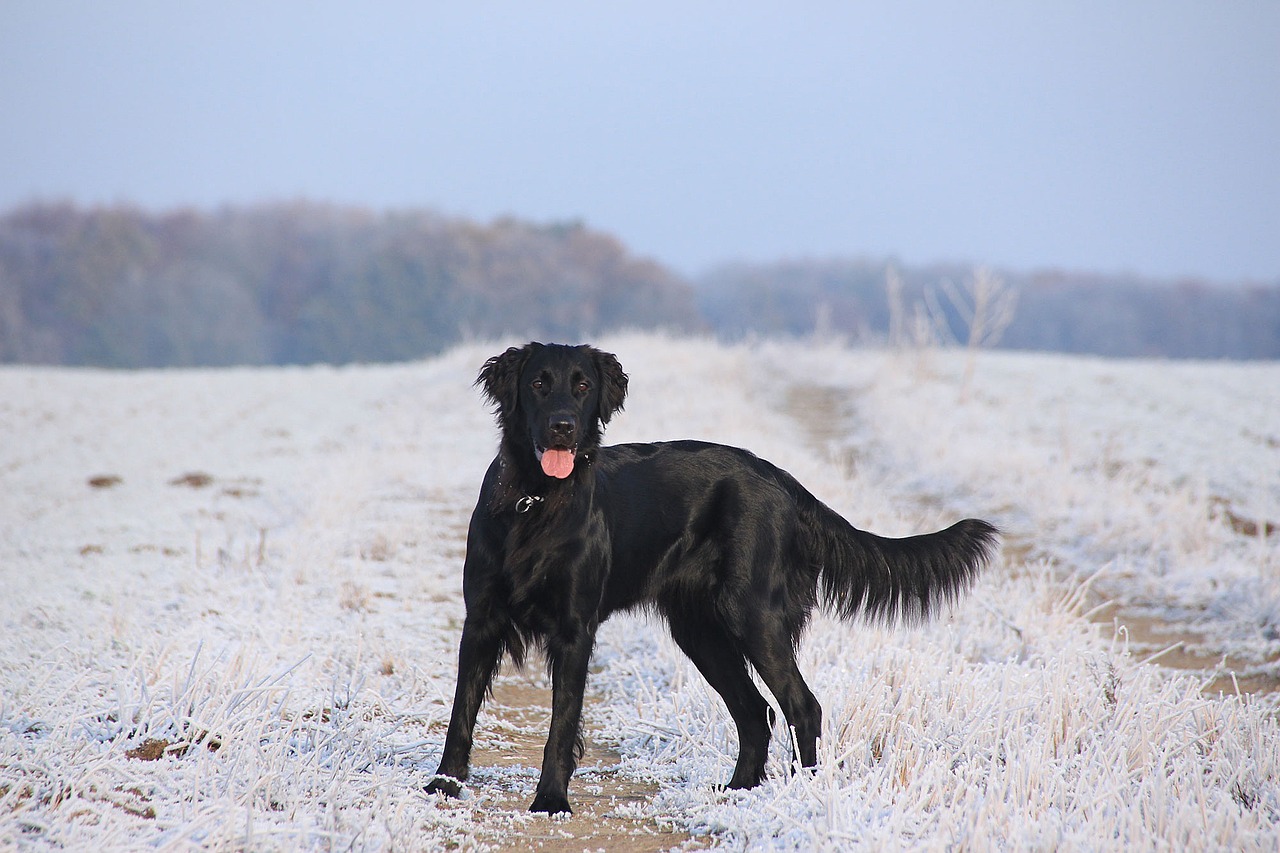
1117, 316
303, 283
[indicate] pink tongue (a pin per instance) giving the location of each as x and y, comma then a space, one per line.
557, 463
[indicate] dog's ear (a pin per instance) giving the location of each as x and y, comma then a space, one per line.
500, 378
613, 384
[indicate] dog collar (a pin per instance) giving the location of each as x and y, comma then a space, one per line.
528, 502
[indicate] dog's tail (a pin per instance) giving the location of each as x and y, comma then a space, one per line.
888, 580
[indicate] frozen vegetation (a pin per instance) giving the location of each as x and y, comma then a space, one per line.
232, 601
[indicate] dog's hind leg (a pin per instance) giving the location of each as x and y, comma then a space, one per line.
715, 655
774, 658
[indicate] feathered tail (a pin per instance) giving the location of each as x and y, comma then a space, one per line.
889, 580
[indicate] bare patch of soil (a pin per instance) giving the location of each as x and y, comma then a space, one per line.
153, 749
193, 480
1251, 527
1178, 647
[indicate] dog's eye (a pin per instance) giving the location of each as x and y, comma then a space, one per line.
584, 387
536, 384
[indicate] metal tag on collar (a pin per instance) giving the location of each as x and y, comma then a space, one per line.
527, 503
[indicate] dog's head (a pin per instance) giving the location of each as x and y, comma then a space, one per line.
553, 400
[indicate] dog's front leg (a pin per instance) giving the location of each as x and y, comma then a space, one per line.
570, 658
478, 656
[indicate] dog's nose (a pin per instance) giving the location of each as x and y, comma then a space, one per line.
562, 427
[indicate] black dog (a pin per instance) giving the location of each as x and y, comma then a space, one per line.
730, 549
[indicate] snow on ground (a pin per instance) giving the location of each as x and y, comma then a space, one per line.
232, 602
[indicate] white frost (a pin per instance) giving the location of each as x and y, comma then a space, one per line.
288, 630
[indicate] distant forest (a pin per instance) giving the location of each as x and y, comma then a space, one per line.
1056, 311
304, 283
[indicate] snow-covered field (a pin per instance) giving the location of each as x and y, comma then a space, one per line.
231, 605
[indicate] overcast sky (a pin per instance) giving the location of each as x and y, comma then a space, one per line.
1137, 136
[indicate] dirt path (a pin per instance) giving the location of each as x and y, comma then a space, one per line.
510, 734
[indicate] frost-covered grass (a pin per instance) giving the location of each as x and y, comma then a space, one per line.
1161, 476
266, 660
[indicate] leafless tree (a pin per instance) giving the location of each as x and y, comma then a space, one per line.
986, 305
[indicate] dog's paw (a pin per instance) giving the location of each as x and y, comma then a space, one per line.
551, 804
446, 785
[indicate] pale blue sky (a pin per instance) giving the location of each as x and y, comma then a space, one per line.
1141, 136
